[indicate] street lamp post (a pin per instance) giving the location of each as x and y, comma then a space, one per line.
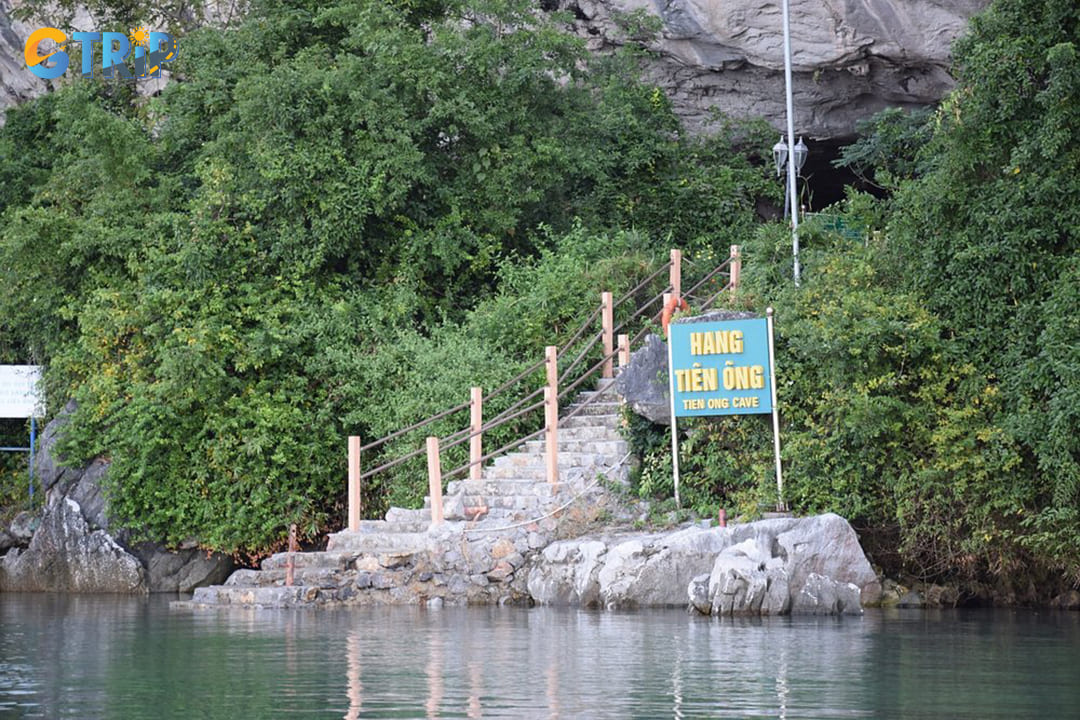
780, 157
791, 145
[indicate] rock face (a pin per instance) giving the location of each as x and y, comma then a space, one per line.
643, 383
70, 548
850, 58
806, 565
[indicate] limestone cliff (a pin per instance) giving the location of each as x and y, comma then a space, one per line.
851, 58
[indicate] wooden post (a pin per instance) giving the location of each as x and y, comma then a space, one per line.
607, 315
434, 471
736, 267
551, 416
624, 350
354, 483
290, 563
675, 273
665, 319
476, 445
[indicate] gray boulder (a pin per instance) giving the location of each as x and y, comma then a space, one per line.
643, 383
71, 548
811, 566
66, 554
758, 568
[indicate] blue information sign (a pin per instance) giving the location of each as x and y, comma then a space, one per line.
720, 368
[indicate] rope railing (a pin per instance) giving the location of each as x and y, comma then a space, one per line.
581, 355
642, 309
519, 403
580, 330
392, 463
559, 386
643, 283
572, 386
416, 426
709, 302
516, 379
508, 446
722, 266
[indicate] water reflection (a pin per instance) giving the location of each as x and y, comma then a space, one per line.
354, 688
125, 658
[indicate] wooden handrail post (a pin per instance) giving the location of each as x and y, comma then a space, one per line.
624, 350
290, 562
551, 416
736, 267
434, 470
665, 319
675, 273
476, 446
608, 319
354, 483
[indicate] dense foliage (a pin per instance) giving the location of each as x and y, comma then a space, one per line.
336, 219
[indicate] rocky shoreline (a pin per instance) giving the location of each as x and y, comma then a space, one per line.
808, 565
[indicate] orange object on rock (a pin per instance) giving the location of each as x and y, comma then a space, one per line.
676, 303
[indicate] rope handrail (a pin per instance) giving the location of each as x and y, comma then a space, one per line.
416, 426
520, 376
570, 388
596, 338
392, 463
640, 285
581, 329
490, 426
493, 453
708, 277
640, 310
517, 404
709, 302
641, 333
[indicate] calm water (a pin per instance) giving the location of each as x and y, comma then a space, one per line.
97, 657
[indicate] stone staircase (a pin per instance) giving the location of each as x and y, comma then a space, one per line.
491, 526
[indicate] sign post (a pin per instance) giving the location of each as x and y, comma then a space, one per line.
19, 399
723, 367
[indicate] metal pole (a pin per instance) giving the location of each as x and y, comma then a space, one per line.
791, 145
780, 507
674, 429
33, 442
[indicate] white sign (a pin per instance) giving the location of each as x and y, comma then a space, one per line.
19, 397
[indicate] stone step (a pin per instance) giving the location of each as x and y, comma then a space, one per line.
566, 459
609, 420
504, 502
605, 447
321, 560
256, 597
592, 409
320, 577
538, 472
378, 542
500, 487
